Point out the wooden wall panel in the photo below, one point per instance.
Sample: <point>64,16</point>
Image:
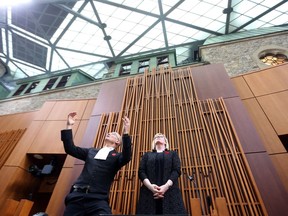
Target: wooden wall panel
<point>67,177</point>
<point>91,131</point>
<point>247,133</point>
<point>89,108</point>
<point>47,140</point>
<point>61,109</point>
<point>56,121</point>
<point>268,81</point>
<point>280,161</point>
<point>110,97</point>
<point>46,108</point>
<point>266,131</point>
<point>272,190</point>
<point>242,88</point>
<point>41,137</point>
<point>16,183</point>
<point>275,107</point>
<point>18,156</point>
<point>212,81</point>
<point>16,121</point>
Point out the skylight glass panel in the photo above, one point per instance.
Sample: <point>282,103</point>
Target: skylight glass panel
<point>64,43</point>
<point>148,20</point>
<point>149,6</point>
<point>173,27</point>
<point>135,17</point>
<point>113,24</point>
<point>61,28</point>
<point>222,18</point>
<point>256,11</point>
<point>128,27</point>
<point>75,59</point>
<point>104,9</point>
<point>201,35</point>
<point>215,13</point>
<point>182,53</point>
<point>89,32</point>
<point>102,49</point>
<point>234,16</point>
<point>77,5</point>
<point>119,46</point>
<point>240,20</point>
<point>255,24</point>
<point>190,18</point>
<point>155,32</point>
<point>283,8</point>
<point>133,49</point>
<point>279,20</point>
<point>203,21</point>
<point>175,39</point>
<point>77,25</point>
<point>3,42</point>
<point>215,25</point>
<point>119,35</point>
<point>176,16</point>
<point>243,7</point>
<point>139,28</point>
<point>15,72</point>
<point>30,71</point>
<point>271,16</point>
<point>129,3</point>
<point>187,6</point>
<point>202,8</point>
<point>58,63</point>
<point>219,3</point>
<point>267,3</point>
<point>121,13</point>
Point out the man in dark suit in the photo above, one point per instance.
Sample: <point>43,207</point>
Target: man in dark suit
<point>90,192</point>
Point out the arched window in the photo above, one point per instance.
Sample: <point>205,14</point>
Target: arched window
<point>273,58</point>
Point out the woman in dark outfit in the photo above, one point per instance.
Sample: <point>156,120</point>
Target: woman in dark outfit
<point>159,171</point>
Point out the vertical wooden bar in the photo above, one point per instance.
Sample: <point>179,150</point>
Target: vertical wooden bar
<point>24,207</point>
<point>221,206</point>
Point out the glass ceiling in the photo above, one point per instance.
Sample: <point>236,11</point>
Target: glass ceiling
<point>48,36</point>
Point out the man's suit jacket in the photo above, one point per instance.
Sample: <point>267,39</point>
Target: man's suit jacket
<point>97,174</point>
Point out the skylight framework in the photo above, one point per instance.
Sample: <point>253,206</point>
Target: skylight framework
<point>50,36</point>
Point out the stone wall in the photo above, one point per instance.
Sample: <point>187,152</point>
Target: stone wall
<point>240,57</point>
<point>35,101</point>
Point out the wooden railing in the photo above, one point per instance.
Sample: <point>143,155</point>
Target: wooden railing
<point>216,178</point>
<point>16,208</point>
<point>8,141</point>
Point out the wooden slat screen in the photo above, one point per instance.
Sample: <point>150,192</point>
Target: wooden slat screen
<point>213,163</point>
<point>8,141</point>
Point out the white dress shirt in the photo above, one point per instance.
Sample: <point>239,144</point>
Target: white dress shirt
<point>103,153</point>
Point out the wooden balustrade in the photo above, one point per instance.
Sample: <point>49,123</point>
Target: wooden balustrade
<point>220,181</point>
<point>16,208</point>
<point>8,141</point>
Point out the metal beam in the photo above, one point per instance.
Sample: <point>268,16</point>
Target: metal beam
<point>103,30</point>
<point>163,23</point>
<point>229,9</point>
